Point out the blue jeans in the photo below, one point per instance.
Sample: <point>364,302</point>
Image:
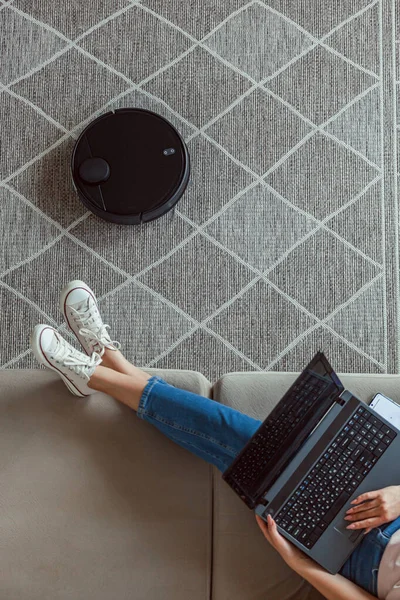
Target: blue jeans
<point>217,433</point>
<point>363,564</point>
<point>210,430</point>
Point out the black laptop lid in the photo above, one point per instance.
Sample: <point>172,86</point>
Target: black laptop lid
<point>318,372</point>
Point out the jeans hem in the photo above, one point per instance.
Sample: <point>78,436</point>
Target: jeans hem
<point>145,395</point>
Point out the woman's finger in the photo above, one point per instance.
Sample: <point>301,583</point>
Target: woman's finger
<point>283,546</point>
<point>263,526</point>
<point>364,506</point>
<point>365,514</point>
<point>366,523</point>
<point>274,537</point>
<point>366,496</point>
<point>272,528</point>
<point>368,530</point>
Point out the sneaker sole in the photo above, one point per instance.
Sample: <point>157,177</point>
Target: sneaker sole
<point>73,285</point>
<point>41,358</point>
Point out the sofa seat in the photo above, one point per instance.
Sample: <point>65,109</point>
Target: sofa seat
<point>94,502</point>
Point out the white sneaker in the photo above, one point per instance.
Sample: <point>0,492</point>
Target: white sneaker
<point>79,306</point>
<point>74,367</point>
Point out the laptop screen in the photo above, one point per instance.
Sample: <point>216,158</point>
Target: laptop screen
<point>284,431</point>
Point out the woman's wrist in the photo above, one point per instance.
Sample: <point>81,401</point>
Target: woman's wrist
<point>303,565</point>
<point>332,587</point>
<point>398,510</point>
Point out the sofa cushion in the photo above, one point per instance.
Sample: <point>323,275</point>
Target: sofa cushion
<point>94,502</point>
<point>245,566</point>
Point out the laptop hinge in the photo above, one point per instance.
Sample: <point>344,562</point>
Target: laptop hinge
<point>337,398</point>
<point>342,398</point>
<point>262,500</point>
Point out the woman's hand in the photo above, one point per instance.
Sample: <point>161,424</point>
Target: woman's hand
<point>374,508</point>
<point>332,587</point>
<point>289,552</point>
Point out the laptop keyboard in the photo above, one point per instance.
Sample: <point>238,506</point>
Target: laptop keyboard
<point>273,434</point>
<point>331,482</point>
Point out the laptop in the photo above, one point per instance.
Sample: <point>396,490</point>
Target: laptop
<point>319,448</point>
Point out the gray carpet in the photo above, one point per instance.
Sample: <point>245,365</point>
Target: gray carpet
<point>286,240</point>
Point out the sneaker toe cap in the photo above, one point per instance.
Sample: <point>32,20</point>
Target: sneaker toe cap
<point>76,296</point>
<point>48,339</point>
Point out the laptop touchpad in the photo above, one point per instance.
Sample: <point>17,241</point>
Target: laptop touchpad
<point>352,535</point>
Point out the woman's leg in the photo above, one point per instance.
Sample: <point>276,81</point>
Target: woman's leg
<point>114,359</point>
<point>207,428</point>
<point>127,388</point>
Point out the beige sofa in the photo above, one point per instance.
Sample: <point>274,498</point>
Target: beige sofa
<point>95,503</point>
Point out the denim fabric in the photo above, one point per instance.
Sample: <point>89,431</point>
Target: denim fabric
<point>363,565</point>
<point>217,433</point>
<point>207,428</point>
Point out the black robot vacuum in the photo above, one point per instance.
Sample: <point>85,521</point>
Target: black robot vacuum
<point>130,166</point>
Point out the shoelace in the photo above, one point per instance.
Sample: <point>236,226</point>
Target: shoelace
<point>101,339</point>
<point>99,336</point>
<point>78,363</point>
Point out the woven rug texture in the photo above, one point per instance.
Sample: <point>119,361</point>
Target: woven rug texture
<point>287,238</point>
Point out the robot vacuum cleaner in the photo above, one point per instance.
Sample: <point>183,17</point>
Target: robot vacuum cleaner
<point>130,166</point>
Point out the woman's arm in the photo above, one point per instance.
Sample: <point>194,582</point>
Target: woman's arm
<point>333,587</point>
<point>369,510</point>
